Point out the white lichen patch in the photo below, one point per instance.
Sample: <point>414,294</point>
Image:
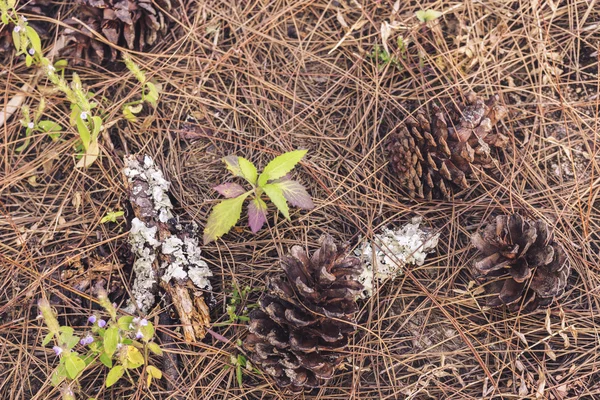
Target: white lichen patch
<point>393,249</point>
<point>186,262</point>
<point>178,254</point>
<point>158,186</point>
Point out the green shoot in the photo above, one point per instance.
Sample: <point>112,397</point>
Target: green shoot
<point>272,182</point>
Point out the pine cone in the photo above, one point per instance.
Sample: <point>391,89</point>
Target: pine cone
<point>134,24</point>
<point>521,262</point>
<point>306,319</point>
<point>432,156</point>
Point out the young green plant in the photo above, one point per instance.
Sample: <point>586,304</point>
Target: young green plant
<point>273,182</point>
<point>120,344</point>
<point>150,91</point>
<point>27,42</point>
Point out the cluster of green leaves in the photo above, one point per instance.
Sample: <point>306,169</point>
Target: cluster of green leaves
<point>35,123</point>
<point>121,344</point>
<point>384,58</point>
<point>237,300</point>
<point>150,92</point>
<point>273,182</point>
<point>27,42</point>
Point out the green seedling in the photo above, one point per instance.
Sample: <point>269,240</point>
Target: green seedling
<point>34,123</point>
<point>111,216</point>
<point>27,42</point>
<point>273,182</point>
<point>427,15</point>
<point>121,344</point>
<point>150,92</point>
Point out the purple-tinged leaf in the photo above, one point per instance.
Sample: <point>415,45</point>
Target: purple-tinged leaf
<point>295,193</point>
<point>230,190</point>
<point>257,214</point>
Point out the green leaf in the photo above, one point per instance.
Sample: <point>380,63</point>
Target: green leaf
<point>223,217</point>
<point>153,372</point>
<point>47,339</point>
<point>67,330</point>
<point>61,64</point>
<point>28,60</point>
<point>59,375</point>
<point>280,166</point>
<point>276,195</point>
<point>429,15</point>
<point>155,348</point>
<point>74,365</point>
<point>16,40</point>
<point>96,126</point>
<point>233,165</point>
<point>72,342</point>
<point>34,38</point>
<point>129,112</point>
<point>114,375</point>
<point>84,132</point>
<point>26,142</point>
<point>151,96</point>
<point>106,360</point>
<point>134,357</point>
<point>238,374</point>
<point>111,339</point>
<point>49,126</point>
<point>124,323</point>
<point>147,331</point>
<point>248,170</point>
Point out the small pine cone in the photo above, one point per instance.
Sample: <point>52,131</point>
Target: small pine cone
<point>520,262</point>
<point>134,24</point>
<point>307,317</point>
<point>433,155</point>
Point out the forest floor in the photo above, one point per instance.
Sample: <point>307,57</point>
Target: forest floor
<point>259,78</point>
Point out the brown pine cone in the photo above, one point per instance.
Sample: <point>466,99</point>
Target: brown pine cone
<point>521,264</point>
<point>307,317</point>
<point>433,155</point>
<point>134,24</point>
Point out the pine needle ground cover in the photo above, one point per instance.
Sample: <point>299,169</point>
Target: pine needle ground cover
<point>340,79</point>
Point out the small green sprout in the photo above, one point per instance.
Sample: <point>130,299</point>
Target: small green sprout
<point>272,182</point>
<point>111,216</point>
<point>427,15</point>
<point>150,92</point>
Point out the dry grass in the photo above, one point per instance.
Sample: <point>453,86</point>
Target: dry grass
<point>265,77</point>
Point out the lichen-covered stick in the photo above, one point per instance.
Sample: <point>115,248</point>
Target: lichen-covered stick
<point>168,256</point>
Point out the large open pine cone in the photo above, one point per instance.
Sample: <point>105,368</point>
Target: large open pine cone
<point>431,155</point>
<point>520,262</point>
<point>130,23</point>
<point>307,317</point>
